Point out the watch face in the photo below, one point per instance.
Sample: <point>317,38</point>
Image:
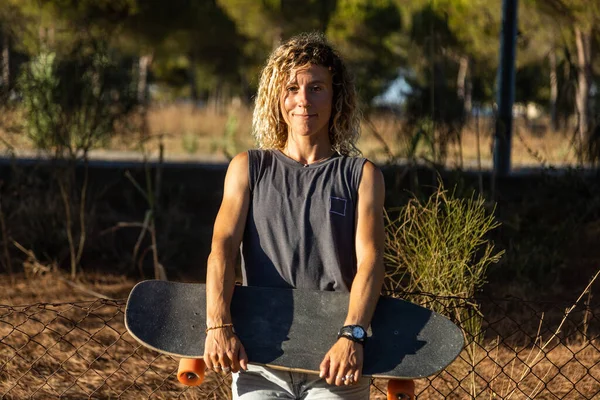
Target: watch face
<point>358,332</point>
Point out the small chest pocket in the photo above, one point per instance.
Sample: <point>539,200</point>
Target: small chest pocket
<point>337,205</point>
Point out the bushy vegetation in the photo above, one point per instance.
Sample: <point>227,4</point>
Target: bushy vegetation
<point>446,51</point>
<point>440,246</point>
<point>72,105</point>
<point>84,67</point>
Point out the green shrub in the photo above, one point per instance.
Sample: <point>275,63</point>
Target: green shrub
<point>69,107</point>
<point>227,144</point>
<point>439,247</point>
<point>38,85</point>
<point>74,104</point>
<point>189,143</point>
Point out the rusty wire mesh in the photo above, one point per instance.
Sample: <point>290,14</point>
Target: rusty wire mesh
<point>82,350</point>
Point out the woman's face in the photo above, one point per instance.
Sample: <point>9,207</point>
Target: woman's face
<point>306,101</point>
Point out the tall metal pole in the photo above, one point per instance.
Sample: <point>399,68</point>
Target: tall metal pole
<point>506,88</point>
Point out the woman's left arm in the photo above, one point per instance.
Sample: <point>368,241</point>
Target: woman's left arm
<point>346,356</point>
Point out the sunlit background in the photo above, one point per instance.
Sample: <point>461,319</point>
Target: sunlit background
<point>118,118</point>
<point>184,73</point>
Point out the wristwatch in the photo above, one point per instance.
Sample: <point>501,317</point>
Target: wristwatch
<point>356,333</point>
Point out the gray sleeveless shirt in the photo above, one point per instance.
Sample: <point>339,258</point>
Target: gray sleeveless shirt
<point>301,223</point>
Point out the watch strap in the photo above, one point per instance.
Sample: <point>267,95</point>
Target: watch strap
<point>348,333</point>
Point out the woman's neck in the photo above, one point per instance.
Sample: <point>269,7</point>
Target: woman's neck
<point>307,154</point>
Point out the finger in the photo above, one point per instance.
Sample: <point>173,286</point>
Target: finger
<point>216,362</point>
<point>212,361</point>
<point>351,377</point>
<point>324,367</point>
<point>342,376</point>
<point>234,362</point>
<point>348,378</point>
<point>243,357</point>
<point>334,372</point>
<point>225,364</point>
<point>207,361</point>
<point>340,380</point>
<point>207,356</point>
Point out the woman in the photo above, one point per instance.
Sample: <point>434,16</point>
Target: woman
<point>308,215</point>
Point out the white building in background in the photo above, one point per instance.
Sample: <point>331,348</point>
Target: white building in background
<point>528,110</point>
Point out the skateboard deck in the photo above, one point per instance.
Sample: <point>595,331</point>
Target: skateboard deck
<point>293,329</point>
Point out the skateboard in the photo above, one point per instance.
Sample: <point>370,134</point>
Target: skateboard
<point>292,330</point>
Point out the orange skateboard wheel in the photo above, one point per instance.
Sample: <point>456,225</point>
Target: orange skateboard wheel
<point>401,389</point>
<point>191,371</point>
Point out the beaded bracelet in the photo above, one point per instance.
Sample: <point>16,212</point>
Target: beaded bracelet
<point>218,327</point>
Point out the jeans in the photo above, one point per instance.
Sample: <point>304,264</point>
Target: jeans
<point>261,383</point>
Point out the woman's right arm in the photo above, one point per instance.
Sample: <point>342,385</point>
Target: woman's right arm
<point>223,350</point>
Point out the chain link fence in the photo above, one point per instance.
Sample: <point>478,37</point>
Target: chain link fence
<point>515,349</point>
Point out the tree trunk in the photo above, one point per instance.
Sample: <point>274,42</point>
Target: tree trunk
<point>215,99</point>
<point>142,84</point>
<point>567,93</point>
<point>553,90</point>
<point>193,80</point>
<point>6,63</point>
<point>51,32</point>
<point>327,8</point>
<point>463,86</point>
<point>47,35</point>
<point>584,77</point>
<point>277,36</point>
<point>469,96</point>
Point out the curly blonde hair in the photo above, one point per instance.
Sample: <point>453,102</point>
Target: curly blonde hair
<point>268,126</point>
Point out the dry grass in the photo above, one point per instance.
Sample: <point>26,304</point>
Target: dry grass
<point>78,347</point>
<point>502,372</point>
<point>47,286</point>
<point>530,147</point>
<point>190,133</point>
<point>532,144</point>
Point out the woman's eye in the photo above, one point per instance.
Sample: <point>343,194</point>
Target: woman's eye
<point>316,89</point>
<point>292,89</point>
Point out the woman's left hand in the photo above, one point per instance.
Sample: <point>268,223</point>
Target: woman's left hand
<point>342,365</point>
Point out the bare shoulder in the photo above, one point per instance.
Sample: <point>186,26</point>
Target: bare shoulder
<point>237,173</point>
<point>372,179</point>
<point>240,161</point>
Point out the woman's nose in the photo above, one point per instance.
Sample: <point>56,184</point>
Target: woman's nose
<point>302,98</point>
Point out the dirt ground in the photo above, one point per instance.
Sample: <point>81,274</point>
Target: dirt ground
<point>58,339</point>
<point>61,340</point>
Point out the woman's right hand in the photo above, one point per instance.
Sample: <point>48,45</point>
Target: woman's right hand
<point>223,351</point>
